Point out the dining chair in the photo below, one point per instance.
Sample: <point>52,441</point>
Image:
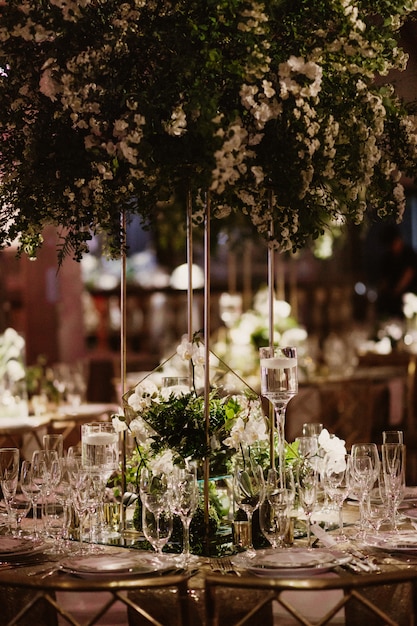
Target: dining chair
<point>22,595</point>
<point>354,588</point>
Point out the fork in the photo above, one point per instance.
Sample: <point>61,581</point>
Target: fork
<point>223,565</point>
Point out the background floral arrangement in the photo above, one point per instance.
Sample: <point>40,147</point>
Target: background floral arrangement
<point>110,105</point>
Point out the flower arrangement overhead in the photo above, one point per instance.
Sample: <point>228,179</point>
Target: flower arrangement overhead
<point>271,107</point>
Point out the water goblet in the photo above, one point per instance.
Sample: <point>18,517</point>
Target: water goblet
<point>337,484</point>
<point>184,502</point>
<point>157,527</point>
<point>279,383</point>
<point>393,464</point>
<point>307,484</point>
<point>248,492</point>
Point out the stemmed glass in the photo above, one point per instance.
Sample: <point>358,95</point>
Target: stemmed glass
<point>279,383</point>
<point>248,492</point>
<point>157,527</point>
<point>184,501</point>
<point>307,484</point>
<point>365,471</point>
<point>54,442</point>
<point>274,512</point>
<point>9,476</point>
<point>393,465</point>
<point>337,484</point>
<point>31,488</point>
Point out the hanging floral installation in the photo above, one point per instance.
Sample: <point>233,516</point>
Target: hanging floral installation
<point>111,106</point>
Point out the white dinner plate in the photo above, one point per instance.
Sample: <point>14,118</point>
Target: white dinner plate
<point>294,562</point>
<point>402,541</point>
<point>121,565</point>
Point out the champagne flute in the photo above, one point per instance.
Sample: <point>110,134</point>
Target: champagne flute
<point>279,383</point>
<point>337,484</point>
<point>9,476</point>
<point>184,494</point>
<point>248,492</point>
<point>393,464</point>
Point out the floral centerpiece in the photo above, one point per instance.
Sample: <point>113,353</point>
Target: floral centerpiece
<point>168,428</point>
<point>13,392</point>
<point>271,107</point>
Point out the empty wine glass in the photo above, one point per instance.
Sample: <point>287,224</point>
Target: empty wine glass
<point>311,429</point>
<point>154,489</point>
<point>248,492</point>
<point>307,484</point>
<point>337,484</point>
<point>157,527</point>
<point>184,501</point>
<point>365,471</point>
<point>54,441</point>
<point>393,464</point>
<point>20,506</point>
<point>274,512</point>
<point>32,490</point>
<point>279,383</point>
<point>9,475</point>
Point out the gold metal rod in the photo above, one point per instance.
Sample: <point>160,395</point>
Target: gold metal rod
<point>207,323</point>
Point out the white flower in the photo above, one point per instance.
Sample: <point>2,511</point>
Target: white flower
<point>246,432</point>
<point>119,425</point>
<point>163,463</point>
<point>140,430</point>
<point>330,443</point>
<point>145,393</point>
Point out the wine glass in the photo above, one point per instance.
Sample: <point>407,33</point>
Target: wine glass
<point>279,383</point>
<point>365,467</point>
<point>157,527</point>
<point>392,436</point>
<point>55,442</point>
<point>274,513</point>
<point>393,465</point>
<point>154,489</point>
<point>311,429</point>
<point>307,484</point>
<point>248,492</point>
<point>20,506</point>
<point>337,484</point>
<point>9,475</point>
<point>184,501</point>
<point>32,490</point>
